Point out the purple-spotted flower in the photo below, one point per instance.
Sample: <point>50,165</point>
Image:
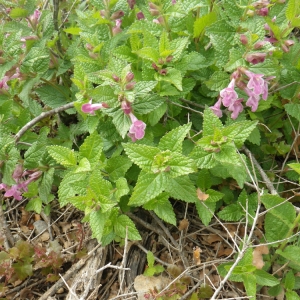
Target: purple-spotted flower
<point>137,128</point>
<point>90,108</point>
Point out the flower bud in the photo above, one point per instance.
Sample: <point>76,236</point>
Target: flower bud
<point>115,78</point>
<point>243,39</point>
<point>93,55</point>
<point>89,47</point>
<point>161,61</point>
<point>117,15</point>
<point>2,61</point>
<point>263,11</point>
<point>289,43</point>
<point>140,16</point>
<point>103,13</point>
<point>129,77</point>
<point>285,48</point>
<point>169,58</point>
<point>117,29</point>
<point>163,72</point>
<point>154,66</point>
<point>259,44</point>
<point>256,58</point>
<point>129,86</point>
<point>131,3</point>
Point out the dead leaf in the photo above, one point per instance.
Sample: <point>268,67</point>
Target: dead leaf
<point>183,225</point>
<point>196,255</point>
<point>212,238</point>
<point>201,196</point>
<point>258,260</point>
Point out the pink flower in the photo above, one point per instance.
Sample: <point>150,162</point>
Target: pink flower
<point>263,11</point>
<point>140,15</point>
<point>217,108</point>
<point>90,108</point>
<point>256,82</point>
<point>34,18</point>
<point>117,29</point>
<point>15,192</point>
<point>256,58</point>
<point>236,107</point>
<point>126,107</point>
<point>137,128</point>
<point>252,100</point>
<point>228,94</point>
<point>3,83</point>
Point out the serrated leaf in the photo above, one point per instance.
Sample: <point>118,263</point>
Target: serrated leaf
<point>122,122</point>
<point>122,188</point>
<point>201,23</point>
<point>23,269</point>
<point>98,184</point>
<point>173,140</point>
<point>73,30</point>
<point>147,104</point>
<point>232,212</point>
<point>179,45</point>
<point>35,205</point>
<point>210,123</point>
<point>148,53</point>
<point>162,207</point>
<point>173,76</point>
<point>295,166</point>
<point>291,253</point>
<point>150,259</point>
<point>147,187</point>
<point>217,81</point>
<point>91,147</point>
<point>117,166</point>
<point>292,9</point>
<point>53,96</point>
<point>124,223</point>
<point>37,61</point>
<point>141,155</point>
<point>293,109</point>
<point>34,154</point>
<point>179,165</point>
<point>18,12</point>
<point>249,281</point>
<point>182,188</point>
<point>279,219</point>
<point>63,155</point>
<point>142,88</point>
<point>164,44</point>
<point>97,221</point>
<point>71,185</point>
<point>239,131</point>
<point>204,159</point>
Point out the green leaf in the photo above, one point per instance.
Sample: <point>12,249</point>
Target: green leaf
<point>233,212</point>
<point>122,122</point>
<point>179,164</point>
<point>148,53</point>
<point>249,281</point>
<point>217,81</point>
<point>291,253</point>
<point>37,61</point>
<point>293,109</point>
<point>97,220</point>
<point>122,188</point>
<point>141,155</point>
<point>71,185</point>
<point>278,220</point>
<point>143,88</point>
<point>91,147</point>
<point>34,154</point>
<point>150,259</point>
<point>18,12</point>
<point>292,9</point>
<point>117,166</point>
<point>162,207</point>
<point>204,159</point>
<point>164,44</point>
<point>63,155</point>
<point>53,96</point>
<point>203,22</point>
<point>295,167</point>
<point>210,123</point>
<point>83,166</point>
<point>289,280</point>
<point>292,295</point>
<point>147,187</point>
<point>182,188</point>
<point>122,223</point>
<point>264,278</point>
<point>73,30</point>
<point>147,104</point>
<point>35,205</point>
<point>173,76</point>
<point>99,185</point>
<point>173,140</point>
<point>23,269</point>
<point>179,45</point>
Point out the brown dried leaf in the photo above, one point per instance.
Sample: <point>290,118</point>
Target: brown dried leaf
<point>212,238</point>
<point>25,216</point>
<point>258,260</point>
<point>201,196</point>
<point>183,224</point>
<point>196,255</point>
